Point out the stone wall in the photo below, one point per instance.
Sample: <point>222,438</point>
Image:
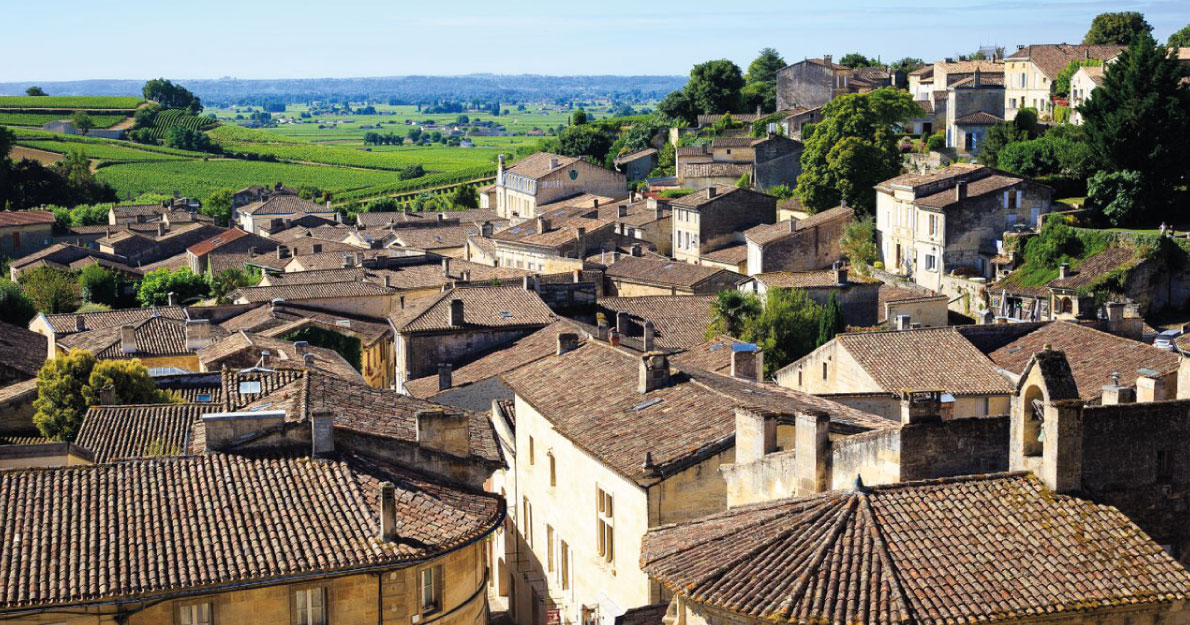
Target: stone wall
<point>804,84</point>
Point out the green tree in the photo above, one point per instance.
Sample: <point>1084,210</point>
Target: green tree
<point>1061,84</point>
<point>99,285</point>
<point>186,286</point>
<point>907,64</point>
<point>578,118</point>
<point>1116,28</point>
<point>172,96</point>
<point>218,206</point>
<point>465,196</point>
<point>677,107</point>
<point>831,321</point>
<point>760,83</point>
<point>855,60</point>
<point>1119,195</point>
<point>730,313</point>
<point>781,191</point>
<point>68,385</point>
<point>998,137</point>
<point>129,381</point>
<point>35,91</point>
<point>714,87</point>
<point>82,122</point>
<point>786,328</point>
<point>586,140</point>
<point>52,290</point>
<point>1180,39</point>
<point>228,280</point>
<point>859,243</point>
<point>1139,120</point>
<point>188,139</point>
<point>16,308</point>
<point>745,181</point>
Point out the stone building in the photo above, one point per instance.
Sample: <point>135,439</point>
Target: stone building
<point>1082,84</point>
<point>259,216</point>
<point>164,242</point>
<point>642,219</point>
<point>928,225</point>
<point>673,322</point>
<point>858,296</point>
<point>610,443</point>
<point>1031,70</point>
<point>1069,295</point>
<point>798,244</point>
<point>542,178</point>
<point>637,165</point>
<point>156,341</point>
<point>25,232</point>
<point>436,332</point>
<point>556,241</point>
<point>22,352</point>
<point>869,371</point>
<point>814,82</point>
<point>764,162</point>
<point>709,220</point>
<point>973,105</point>
<point>633,276</point>
<point>70,257</point>
<point>234,243</point>
<point>995,548</point>
<point>245,350</point>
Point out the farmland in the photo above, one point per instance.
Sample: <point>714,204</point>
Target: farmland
<point>84,102</point>
<point>105,153</point>
<point>37,119</point>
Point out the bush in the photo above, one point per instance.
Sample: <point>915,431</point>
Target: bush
<point>186,286</point>
<point>936,142</point>
<point>99,285</point>
<point>1119,195</point>
<point>16,308</point>
<point>1056,242</point>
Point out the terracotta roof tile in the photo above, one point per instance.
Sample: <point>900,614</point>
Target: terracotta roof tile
<point>808,279</point>
<point>155,337</point>
<point>538,165</point>
<point>140,431</point>
<point>979,118</point>
<point>663,272</point>
<point>927,359</point>
<point>243,349</point>
<point>320,290</point>
<point>1052,58</point>
<point>483,307</point>
<point>25,218</point>
<point>284,205</point>
<point>22,350</point>
<point>679,321</point>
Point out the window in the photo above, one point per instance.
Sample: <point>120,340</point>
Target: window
<point>553,469</point>
<point>931,262</point>
<point>430,589</point>
<point>250,387</point>
<point>799,378</point>
<point>605,542</point>
<point>310,606</point>
<point>528,528</point>
<point>1164,466</point>
<point>549,544</point>
<point>195,614</point>
<point>1012,103</point>
<point>824,371</point>
<point>933,221</point>
<point>564,562</point>
<point>531,450</point>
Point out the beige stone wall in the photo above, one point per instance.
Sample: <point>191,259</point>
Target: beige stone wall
<point>693,493</point>
<point>843,373</point>
<point>351,600</point>
<point>1033,92</point>
<point>930,313</point>
<point>621,288</point>
<point>539,262</point>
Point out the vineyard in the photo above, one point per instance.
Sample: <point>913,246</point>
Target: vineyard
<point>37,119</point>
<point>86,102</point>
<point>199,178</point>
<point>105,153</point>
<point>26,136</point>
<point>177,118</point>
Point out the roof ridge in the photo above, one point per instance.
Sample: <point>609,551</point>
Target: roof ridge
<point>900,601</point>
<point>814,563</point>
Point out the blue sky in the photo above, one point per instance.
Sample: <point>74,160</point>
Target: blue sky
<point>347,38</point>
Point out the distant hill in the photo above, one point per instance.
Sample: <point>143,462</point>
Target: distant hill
<point>525,87</point>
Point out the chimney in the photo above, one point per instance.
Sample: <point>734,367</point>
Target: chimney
<point>301,347</point>
<point>960,190</point>
<point>1062,453</point>
<point>622,210</point>
<point>500,170</point>
<point>485,229</point>
<point>554,162</point>
<point>902,322</point>
<point>446,267</point>
<point>1114,311</point>
<point>613,337</point>
<point>840,273</point>
<point>107,395</point>
<point>543,225</point>
<point>198,334</point>
<point>266,358</point>
<point>826,60</point>
<point>747,362</point>
<point>80,323</point>
<point>1063,271</point>
<point>755,434</point>
<point>160,229</point>
<point>622,322</point>
<point>976,79</point>
<point>456,313</point>
<point>567,341</point>
<point>444,376</point>
<point>308,359</point>
<point>388,512</point>
<point>920,406</point>
<point>580,232</point>
<point>595,202</point>
<point>1114,393</point>
<point>128,339</point>
<point>322,433</point>
<point>601,330</point>
<point>527,282</point>
<point>712,192</point>
<point>637,250</point>
<point>648,337</point>
<point>442,431</point>
<point>653,373</point>
<point>171,299</point>
<point>812,452</point>
<point>1149,387</point>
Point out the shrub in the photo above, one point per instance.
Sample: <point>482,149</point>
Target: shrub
<point>936,142</point>
<point>16,308</point>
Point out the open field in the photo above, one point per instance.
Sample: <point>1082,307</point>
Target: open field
<point>37,119</point>
<point>86,102</point>
<point>105,153</point>
<point>20,152</point>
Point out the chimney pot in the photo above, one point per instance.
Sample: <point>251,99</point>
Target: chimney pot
<point>128,339</point>
<point>388,512</point>
<point>322,433</point>
<point>567,341</point>
<point>637,250</point>
<point>456,313</point>
<point>444,376</point>
<point>653,372</point>
<point>171,298</point>
<point>160,229</point>
<point>622,210</point>
<point>543,225</point>
<point>613,337</point>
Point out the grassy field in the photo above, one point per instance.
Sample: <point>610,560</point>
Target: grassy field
<point>37,119</point>
<point>87,102</point>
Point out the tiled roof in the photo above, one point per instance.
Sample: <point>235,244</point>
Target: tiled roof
<point>217,241</point>
<point>647,615</point>
<point>638,213</point>
<point>94,533</point>
<point>927,359</point>
<point>731,254</point>
<point>134,210</point>
<point>715,170</point>
<point>976,188</point>
<point>915,180</point>
<point>537,165</point>
<point>270,380</point>
<point>1094,72</point>
<point>27,389</point>
<point>435,238</point>
<point>22,350</point>
<point>25,218</point>
<point>691,150</point>
<point>483,307</point>
<point>320,276</point>
<point>890,293</point>
<point>140,431</point>
<point>1092,269</point>
<point>326,260</point>
<point>959,550</point>
<point>590,396</point>
<point>27,438</point>
<point>284,205</point>
<point>731,142</point>
<point>808,279</point>
<point>662,272</point>
<point>979,118</point>
<point>1052,58</point>
<point>67,255</point>
<point>560,233</point>
<point>537,345</point>
<point>968,67</point>
<point>632,156</point>
<point>248,348</point>
<point>321,290</point>
<point>284,317</point>
<point>712,355</point>
<point>155,337</point>
<point>678,320</point>
<point>695,200</point>
<point>1092,355</point>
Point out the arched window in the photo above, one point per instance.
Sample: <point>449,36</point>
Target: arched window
<point>1032,411</point>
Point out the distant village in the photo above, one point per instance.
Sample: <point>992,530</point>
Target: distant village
<point>711,379</point>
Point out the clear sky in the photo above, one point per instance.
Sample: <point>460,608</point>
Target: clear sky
<point>80,39</point>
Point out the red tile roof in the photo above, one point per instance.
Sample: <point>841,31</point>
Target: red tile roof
<point>483,307</point>
<point>140,431</point>
<point>25,218</point>
<point>927,359</point>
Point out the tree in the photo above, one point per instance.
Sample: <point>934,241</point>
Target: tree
<point>1139,120</point>
<point>731,312</point>
<point>68,385</point>
<point>907,64</point>
<point>859,243</point>
<point>760,88</point>
<point>52,290</point>
<point>578,118</point>
<point>1116,28</point>
<point>231,279</point>
<point>998,137</point>
<point>186,286</point>
<point>465,196</point>
<point>714,87</point>
<point>831,321</point>
<point>745,181</point>
<point>585,140</point>
<point>99,285</point>
<point>786,328</point>
<point>16,308</point>
<point>1180,39</point>
<point>1061,84</point>
<point>677,107</point>
<point>855,60</point>
<point>35,91</point>
<point>1119,195</point>
<point>188,139</point>
<point>218,206</point>
<point>172,96</point>
<point>82,122</point>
